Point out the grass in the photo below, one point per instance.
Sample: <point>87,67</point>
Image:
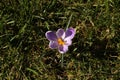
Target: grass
<point>24,51</point>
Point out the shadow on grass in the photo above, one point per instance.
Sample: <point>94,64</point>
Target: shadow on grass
<point>100,49</point>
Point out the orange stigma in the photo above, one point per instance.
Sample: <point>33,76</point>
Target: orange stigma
<point>60,41</point>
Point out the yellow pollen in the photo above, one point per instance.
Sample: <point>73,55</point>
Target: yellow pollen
<point>60,41</point>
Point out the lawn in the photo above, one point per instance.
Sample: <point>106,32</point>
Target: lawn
<point>93,55</point>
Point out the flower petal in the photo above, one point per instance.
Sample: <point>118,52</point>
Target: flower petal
<point>70,33</point>
<point>51,36</point>
<point>53,44</point>
<point>60,33</point>
<point>68,41</point>
<point>63,49</point>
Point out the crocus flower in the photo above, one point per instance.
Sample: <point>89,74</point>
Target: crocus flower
<point>61,39</point>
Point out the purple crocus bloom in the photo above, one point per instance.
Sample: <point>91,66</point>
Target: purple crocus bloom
<point>60,39</point>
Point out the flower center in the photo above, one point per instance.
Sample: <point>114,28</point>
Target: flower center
<point>60,41</point>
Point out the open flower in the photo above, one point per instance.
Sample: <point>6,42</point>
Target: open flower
<point>60,39</point>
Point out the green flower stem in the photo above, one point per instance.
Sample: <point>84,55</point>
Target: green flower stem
<point>62,60</point>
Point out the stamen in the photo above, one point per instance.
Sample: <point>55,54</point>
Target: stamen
<point>60,41</point>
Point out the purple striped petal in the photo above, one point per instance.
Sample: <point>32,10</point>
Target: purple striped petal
<point>68,41</point>
<point>70,33</point>
<point>60,33</point>
<point>53,44</point>
<point>51,36</point>
<point>63,49</point>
